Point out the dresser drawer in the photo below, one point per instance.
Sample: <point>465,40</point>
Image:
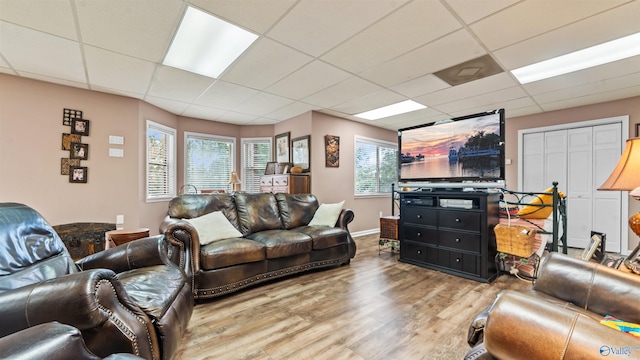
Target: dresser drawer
<point>460,220</point>
<point>420,234</point>
<point>418,252</point>
<point>419,215</point>
<point>281,181</point>
<point>460,262</point>
<point>266,181</point>
<point>461,241</point>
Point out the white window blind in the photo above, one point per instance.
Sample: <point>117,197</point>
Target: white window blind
<point>375,166</point>
<point>209,161</point>
<point>161,162</point>
<point>256,153</point>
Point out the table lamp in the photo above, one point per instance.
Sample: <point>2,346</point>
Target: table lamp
<point>626,177</point>
<point>234,180</point>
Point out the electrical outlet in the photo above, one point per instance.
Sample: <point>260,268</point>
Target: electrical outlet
<point>119,219</point>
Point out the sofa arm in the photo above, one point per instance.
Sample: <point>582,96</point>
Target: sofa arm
<point>132,255</point>
<point>92,301</point>
<point>346,216</point>
<point>184,239</point>
<point>520,324</point>
<point>591,286</point>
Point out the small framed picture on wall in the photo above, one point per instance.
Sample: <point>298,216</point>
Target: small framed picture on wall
<point>80,127</point>
<point>78,174</point>
<point>79,151</point>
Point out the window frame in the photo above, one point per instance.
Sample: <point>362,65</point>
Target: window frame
<point>378,143</point>
<point>171,162</point>
<point>243,165</point>
<point>190,134</point>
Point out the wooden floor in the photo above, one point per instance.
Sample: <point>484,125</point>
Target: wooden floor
<point>374,308</point>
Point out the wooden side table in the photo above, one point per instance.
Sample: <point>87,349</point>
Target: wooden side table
<point>118,237</point>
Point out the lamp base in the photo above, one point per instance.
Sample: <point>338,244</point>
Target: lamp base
<point>634,223</point>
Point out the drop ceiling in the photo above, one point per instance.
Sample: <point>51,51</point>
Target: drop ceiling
<point>339,57</point>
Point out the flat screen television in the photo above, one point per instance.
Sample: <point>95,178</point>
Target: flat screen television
<point>463,149</point>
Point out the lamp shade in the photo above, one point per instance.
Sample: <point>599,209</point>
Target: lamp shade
<point>626,175</point>
<point>234,179</point>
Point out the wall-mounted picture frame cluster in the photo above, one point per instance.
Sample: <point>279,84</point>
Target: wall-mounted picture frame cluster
<point>72,142</point>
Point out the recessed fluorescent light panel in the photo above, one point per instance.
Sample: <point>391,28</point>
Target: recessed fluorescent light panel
<point>391,110</point>
<point>611,51</point>
<point>206,45</point>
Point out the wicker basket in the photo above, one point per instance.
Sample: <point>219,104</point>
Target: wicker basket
<point>389,227</point>
<point>515,240</point>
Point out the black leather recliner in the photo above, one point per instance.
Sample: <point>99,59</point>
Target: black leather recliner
<point>128,299</point>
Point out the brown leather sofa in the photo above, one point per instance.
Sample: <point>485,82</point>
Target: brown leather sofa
<point>559,317</point>
<point>275,240</point>
<point>129,299</point>
<point>51,341</point>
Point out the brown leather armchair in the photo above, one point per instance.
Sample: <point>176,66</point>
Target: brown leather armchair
<point>559,317</point>
<point>128,299</point>
<point>51,341</point>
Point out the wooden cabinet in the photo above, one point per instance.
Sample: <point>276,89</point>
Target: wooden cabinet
<point>289,183</point>
<point>450,231</point>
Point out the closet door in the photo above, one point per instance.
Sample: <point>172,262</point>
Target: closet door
<point>580,187</point>
<point>533,162</point>
<point>607,205</point>
<point>545,160</point>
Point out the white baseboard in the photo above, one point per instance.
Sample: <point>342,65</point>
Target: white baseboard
<point>365,232</point>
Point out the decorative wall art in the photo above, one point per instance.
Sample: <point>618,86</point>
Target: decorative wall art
<point>78,174</point>
<point>70,114</point>
<point>283,149</point>
<point>80,127</point>
<point>66,163</point>
<point>72,142</point>
<point>79,151</point>
<point>67,139</point>
<point>300,150</point>
<point>637,130</point>
<point>332,150</point>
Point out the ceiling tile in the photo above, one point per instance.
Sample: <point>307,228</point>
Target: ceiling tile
<point>575,36</point>
<point>484,100</point>
<point>592,99</point>
<point>540,19</point>
<point>398,33</point>
<point>255,15</point>
<point>420,86</point>
<point>172,106</point>
<point>115,71</point>
<point>303,29</point>
<point>473,10</point>
<point>235,118</point>
<point>224,95</point>
<point>612,84</point>
<point>308,80</point>
<point>262,103</point>
<point>455,93</point>
<point>141,28</point>
<point>54,17</point>
<point>39,53</point>
<point>202,112</point>
<point>264,63</point>
<point>54,80</point>
<point>449,50</point>
<point>353,87</point>
<point>369,102</point>
<point>291,110</point>
<point>172,83</point>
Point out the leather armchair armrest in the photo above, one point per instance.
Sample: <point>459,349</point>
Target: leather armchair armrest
<point>522,324</point>
<point>132,255</point>
<point>92,301</point>
<point>346,216</point>
<point>183,236</point>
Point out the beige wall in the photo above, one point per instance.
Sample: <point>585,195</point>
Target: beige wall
<point>630,106</point>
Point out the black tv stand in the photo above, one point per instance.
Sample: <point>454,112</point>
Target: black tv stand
<point>450,231</point>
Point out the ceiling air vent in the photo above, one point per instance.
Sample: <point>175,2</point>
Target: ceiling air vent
<point>469,71</point>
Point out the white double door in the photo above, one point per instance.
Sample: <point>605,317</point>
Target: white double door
<point>580,159</point>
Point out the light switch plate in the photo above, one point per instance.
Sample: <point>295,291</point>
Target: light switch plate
<point>116,140</point>
<point>116,152</point>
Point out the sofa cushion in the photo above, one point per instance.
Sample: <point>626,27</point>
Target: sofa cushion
<point>213,226</point>
<point>324,237</point>
<point>296,209</point>
<point>192,206</point>
<point>228,252</point>
<point>327,214</point>
<point>283,243</point>
<point>257,212</point>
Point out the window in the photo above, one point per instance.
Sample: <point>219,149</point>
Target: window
<point>256,153</point>
<point>209,161</point>
<point>161,162</point>
<point>375,166</point>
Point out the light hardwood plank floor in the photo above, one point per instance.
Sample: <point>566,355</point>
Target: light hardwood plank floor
<point>374,308</point>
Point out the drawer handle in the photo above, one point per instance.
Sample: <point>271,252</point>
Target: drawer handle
<point>457,259</point>
<point>419,234</point>
<point>457,239</point>
<point>419,216</point>
<point>457,220</point>
<point>419,251</point>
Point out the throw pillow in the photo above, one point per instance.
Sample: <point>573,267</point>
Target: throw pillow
<point>327,214</point>
<point>621,325</point>
<point>534,211</point>
<point>213,226</point>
